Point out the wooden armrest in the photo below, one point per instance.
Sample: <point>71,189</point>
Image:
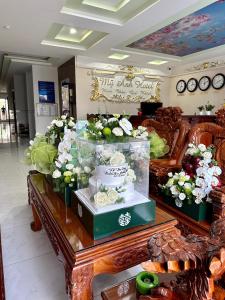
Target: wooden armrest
<point>163,162</point>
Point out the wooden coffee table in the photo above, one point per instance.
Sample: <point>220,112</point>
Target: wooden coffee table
<point>84,258</point>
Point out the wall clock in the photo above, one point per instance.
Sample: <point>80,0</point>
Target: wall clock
<point>192,85</point>
<point>204,83</point>
<point>218,81</point>
<point>181,86</point>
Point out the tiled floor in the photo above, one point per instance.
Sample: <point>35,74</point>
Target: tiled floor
<point>32,271</point>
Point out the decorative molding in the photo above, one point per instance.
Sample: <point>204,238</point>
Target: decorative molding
<point>206,65</point>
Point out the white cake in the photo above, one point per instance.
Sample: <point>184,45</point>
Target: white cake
<point>111,177</point>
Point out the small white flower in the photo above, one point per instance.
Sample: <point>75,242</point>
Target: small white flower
<point>126,126</point>
<point>69,166</point>
<point>117,131</point>
<point>87,169</point>
<point>116,116</point>
<point>67,173</point>
<point>59,123</point>
<point>31,142</point>
<point>58,164</point>
<point>56,174</point>
<point>71,123</point>
<point>178,202</point>
<point>181,183</point>
<point>202,147</point>
<point>99,125</point>
<point>170,174</point>
<point>182,196</point>
<point>207,155</point>
<point>112,120</point>
<point>63,117</point>
<point>174,190</point>
<point>77,170</point>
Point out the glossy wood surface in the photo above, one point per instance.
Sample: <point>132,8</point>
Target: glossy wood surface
<point>83,257</point>
<point>127,290</point>
<point>2,287</point>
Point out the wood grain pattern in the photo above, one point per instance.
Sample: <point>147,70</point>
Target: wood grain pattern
<point>2,286</point>
<point>83,257</point>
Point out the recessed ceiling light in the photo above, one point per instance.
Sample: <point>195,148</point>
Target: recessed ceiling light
<point>73,31</point>
<point>157,62</point>
<point>7,27</point>
<point>118,56</point>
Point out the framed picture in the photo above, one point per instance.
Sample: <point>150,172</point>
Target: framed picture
<point>46,90</point>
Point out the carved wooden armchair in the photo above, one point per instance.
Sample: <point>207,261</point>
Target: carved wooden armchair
<point>210,133</point>
<point>201,260</point>
<point>168,125</point>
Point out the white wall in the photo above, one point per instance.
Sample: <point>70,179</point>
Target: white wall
<point>43,73</point>
<point>30,103</point>
<point>86,106</point>
<point>20,98</point>
<point>190,101</point>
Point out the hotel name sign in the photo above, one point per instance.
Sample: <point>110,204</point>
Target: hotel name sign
<point>125,88</point>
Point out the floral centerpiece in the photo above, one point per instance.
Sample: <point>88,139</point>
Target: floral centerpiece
<point>200,174</point>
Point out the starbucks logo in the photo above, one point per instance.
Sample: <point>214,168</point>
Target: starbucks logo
<point>124,219</point>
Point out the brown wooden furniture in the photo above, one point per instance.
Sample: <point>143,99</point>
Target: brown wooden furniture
<point>127,290</point>
<point>84,258</point>
<point>210,133</point>
<point>168,125</point>
<point>2,286</point>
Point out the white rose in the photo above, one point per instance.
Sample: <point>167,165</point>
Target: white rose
<point>181,183</point>
<point>53,122</point>
<point>56,174</point>
<point>182,196</point>
<point>117,159</point>
<point>207,155</point>
<point>170,174</point>
<point>71,123</point>
<point>101,199</point>
<point>63,117</point>
<point>116,116</point>
<point>126,126</point>
<point>112,195</point>
<point>87,170</point>
<point>69,166</point>
<point>202,147</point>
<point>59,123</point>
<point>117,131</point>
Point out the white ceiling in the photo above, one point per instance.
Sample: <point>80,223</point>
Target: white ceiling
<point>30,22</point>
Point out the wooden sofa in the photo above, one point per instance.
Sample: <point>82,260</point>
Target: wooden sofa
<point>169,125</point>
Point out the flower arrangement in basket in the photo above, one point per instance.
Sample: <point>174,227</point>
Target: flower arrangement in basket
<point>200,175</point>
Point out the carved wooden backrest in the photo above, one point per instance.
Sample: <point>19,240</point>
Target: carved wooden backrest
<point>169,114</point>
<point>210,133</point>
<point>220,117</point>
<point>175,134</point>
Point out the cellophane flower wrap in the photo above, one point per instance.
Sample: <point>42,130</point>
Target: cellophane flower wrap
<point>199,176</point>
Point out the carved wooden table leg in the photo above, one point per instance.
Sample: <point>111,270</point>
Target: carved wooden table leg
<point>81,282</point>
<point>36,224</point>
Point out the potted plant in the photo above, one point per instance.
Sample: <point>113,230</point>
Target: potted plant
<point>188,190</point>
<point>208,108</point>
<point>201,110</point>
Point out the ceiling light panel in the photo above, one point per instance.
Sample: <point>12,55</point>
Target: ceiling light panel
<point>65,36</point>
<point>110,5</point>
<point>158,62</point>
<point>110,11</point>
<point>118,56</point>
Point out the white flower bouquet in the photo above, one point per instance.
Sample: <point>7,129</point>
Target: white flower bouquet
<point>55,131</point>
<point>200,174</point>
